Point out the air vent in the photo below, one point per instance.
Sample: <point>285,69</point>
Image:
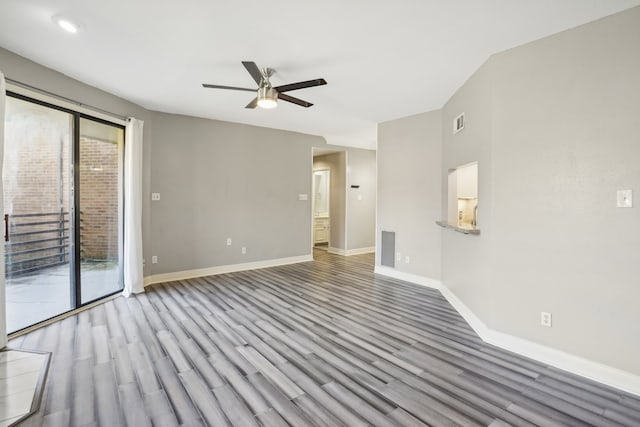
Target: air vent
<point>388,246</point>
<point>458,123</point>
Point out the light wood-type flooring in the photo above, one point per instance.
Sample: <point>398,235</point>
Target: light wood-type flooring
<point>324,343</point>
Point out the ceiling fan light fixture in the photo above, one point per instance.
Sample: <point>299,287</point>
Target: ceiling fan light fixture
<point>267,97</point>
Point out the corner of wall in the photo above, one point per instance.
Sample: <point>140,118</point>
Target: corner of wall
<point>613,377</point>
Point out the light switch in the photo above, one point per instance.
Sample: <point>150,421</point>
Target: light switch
<point>155,196</point>
<point>303,197</point>
<point>625,198</point>
<point>360,197</point>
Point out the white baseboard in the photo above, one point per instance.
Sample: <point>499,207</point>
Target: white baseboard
<point>222,269</point>
<point>360,251</point>
<point>349,252</point>
<point>596,371</point>
<point>407,277</point>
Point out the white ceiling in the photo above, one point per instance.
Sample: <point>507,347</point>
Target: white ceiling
<point>382,59</point>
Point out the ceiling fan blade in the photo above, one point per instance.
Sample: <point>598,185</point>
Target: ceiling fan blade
<point>293,100</point>
<point>252,104</point>
<point>253,69</point>
<point>227,87</point>
<point>300,85</point>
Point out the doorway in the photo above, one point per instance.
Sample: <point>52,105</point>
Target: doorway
<point>62,178</point>
<point>329,196</point>
<point>321,215</point>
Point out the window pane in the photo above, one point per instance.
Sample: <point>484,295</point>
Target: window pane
<point>100,209</point>
<point>37,194</point>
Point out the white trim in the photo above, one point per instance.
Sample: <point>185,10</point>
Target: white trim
<point>336,251</point>
<point>222,269</point>
<point>360,251</point>
<point>349,252</point>
<point>407,277</point>
<point>590,369</point>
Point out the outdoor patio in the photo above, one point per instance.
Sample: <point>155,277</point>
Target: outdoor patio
<point>34,297</point>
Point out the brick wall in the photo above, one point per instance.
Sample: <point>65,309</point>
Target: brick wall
<point>37,179</point>
<point>99,187</point>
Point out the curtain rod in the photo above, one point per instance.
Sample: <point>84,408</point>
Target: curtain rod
<point>62,98</point>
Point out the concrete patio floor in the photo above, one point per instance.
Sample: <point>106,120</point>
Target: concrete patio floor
<point>32,298</point>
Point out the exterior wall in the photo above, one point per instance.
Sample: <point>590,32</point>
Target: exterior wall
<point>36,189</point>
<point>99,193</point>
<point>38,178</point>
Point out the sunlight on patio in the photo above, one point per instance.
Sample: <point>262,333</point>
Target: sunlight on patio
<point>35,297</point>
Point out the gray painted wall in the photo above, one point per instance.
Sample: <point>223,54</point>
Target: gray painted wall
<point>336,163</point>
<point>409,188</point>
<point>565,139</point>
<point>466,259</point>
<point>552,125</point>
<point>219,180</point>
<point>361,211</point>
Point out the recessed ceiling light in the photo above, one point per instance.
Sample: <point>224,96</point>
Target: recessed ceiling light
<point>66,24</point>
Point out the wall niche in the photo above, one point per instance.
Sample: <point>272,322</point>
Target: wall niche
<point>462,211</point>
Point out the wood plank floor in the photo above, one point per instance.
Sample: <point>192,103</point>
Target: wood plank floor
<point>324,343</point>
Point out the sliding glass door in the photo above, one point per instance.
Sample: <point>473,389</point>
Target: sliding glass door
<point>62,178</point>
<point>100,182</point>
<point>37,210</point>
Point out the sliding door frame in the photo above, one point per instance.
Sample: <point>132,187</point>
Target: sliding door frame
<point>75,280</point>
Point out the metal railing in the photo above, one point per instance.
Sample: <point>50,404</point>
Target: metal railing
<point>35,241</point>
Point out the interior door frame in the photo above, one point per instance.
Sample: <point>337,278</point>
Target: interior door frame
<point>75,277</point>
<point>313,205</point>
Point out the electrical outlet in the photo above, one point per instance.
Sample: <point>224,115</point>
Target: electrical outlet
<point>407,260</point>
<point>154,259</point>
<point>624,198</point>
<point>155,196</point>
<point>545,319</point>
<point>398,256</point>
<point>228,241</point>
<point>244,250</point>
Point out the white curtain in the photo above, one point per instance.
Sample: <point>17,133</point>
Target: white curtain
<point>3,305</point>
<point>133,275</point>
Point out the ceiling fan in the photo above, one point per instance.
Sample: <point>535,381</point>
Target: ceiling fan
<point>267,95</point>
